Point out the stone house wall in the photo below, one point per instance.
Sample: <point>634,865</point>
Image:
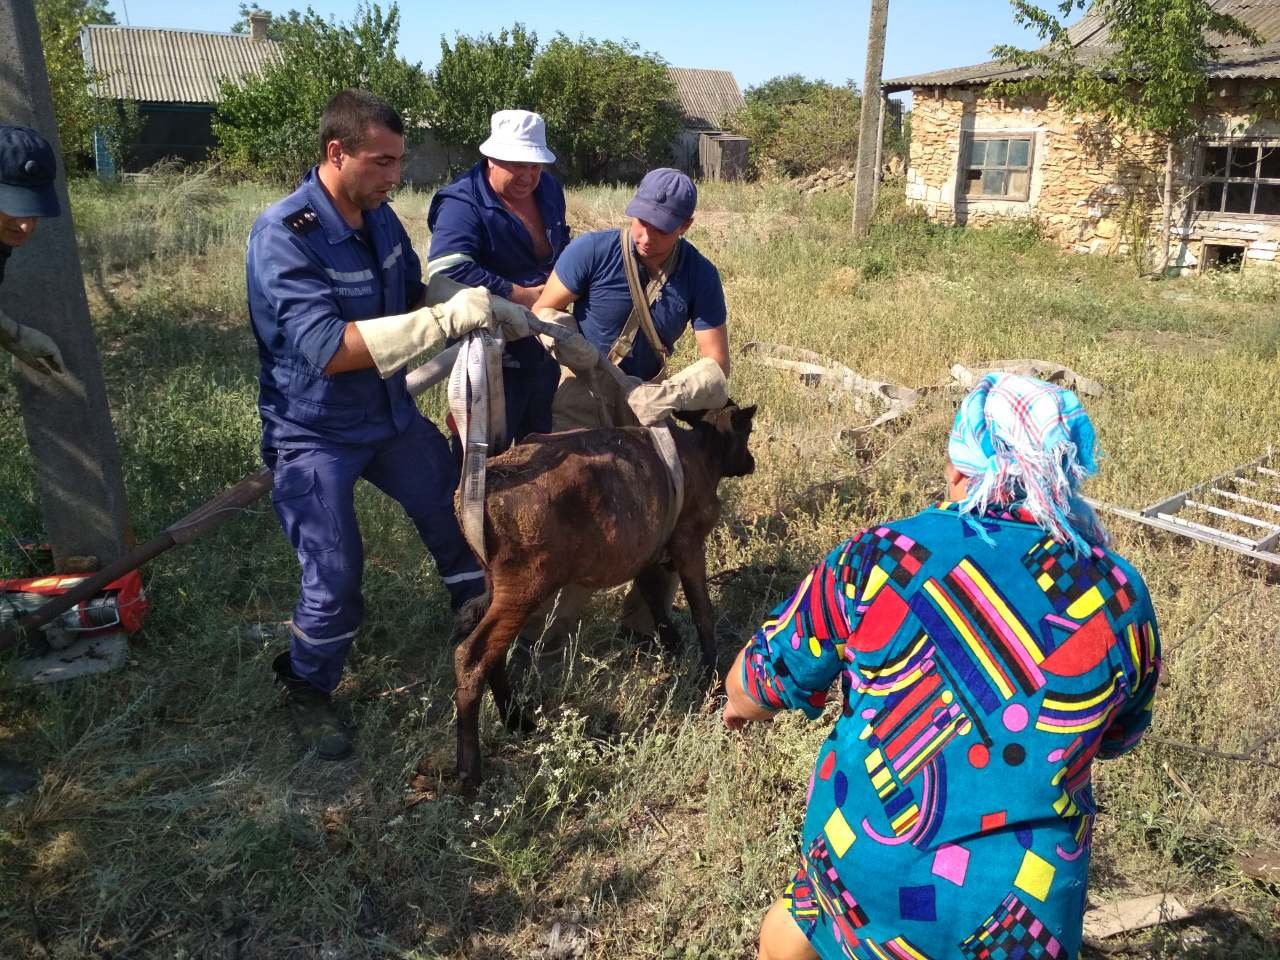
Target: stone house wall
<point>1091,187</point>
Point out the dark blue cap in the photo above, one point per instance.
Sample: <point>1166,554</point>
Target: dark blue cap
<point>665,198</point>
<point>27,173</point>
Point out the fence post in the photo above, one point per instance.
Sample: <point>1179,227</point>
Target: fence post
<point>868,141</point>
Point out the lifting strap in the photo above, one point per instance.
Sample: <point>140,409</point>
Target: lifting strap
<point>476,402</point>
<point>665,444</point>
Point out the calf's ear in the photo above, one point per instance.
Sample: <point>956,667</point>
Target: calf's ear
<point>744,414</point>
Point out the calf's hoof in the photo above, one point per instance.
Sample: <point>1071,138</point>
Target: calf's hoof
<point>710,678</point>
<point>520,720</point>
<point>469,782</point>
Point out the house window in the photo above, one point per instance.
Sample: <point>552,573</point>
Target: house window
<point>1240,178</point>
<point>998,168</point>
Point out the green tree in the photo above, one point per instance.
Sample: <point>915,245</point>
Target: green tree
<point>477,76</point>
<point>797,126</point>
<point>277,27</point>
<point>784,89</point>
<point>75,106</point>
<point>1151,76</point>
<point>269,124</point>
<point>606,104</point>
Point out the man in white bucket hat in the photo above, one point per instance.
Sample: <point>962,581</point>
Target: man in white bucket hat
<point>501,225</point>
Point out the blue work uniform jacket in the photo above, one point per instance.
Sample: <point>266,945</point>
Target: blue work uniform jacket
<point>309,273</point>
<point>477,241</point>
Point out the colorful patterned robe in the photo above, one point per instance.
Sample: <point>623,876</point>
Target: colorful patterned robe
<point>950,809</point>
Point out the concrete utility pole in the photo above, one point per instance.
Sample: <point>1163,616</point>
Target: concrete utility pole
<point>869,129</point>
<point>67,419</point>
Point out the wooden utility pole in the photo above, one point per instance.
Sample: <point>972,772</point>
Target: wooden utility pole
<point>67,420</point>
<point>869,128</point>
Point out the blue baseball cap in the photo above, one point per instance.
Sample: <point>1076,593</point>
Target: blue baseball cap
<point>27,173</point>
<point>665,198</point>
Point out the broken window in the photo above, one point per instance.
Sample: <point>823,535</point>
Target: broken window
<point>998,167</point>
<point>1222,256</point>
<point>1240,177</point>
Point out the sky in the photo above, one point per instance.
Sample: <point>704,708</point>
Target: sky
<point>755,39</point>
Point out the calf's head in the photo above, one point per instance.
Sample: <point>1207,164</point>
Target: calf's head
<point>725,434</point>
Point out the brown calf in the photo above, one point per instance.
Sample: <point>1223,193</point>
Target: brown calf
<point>589,507</point>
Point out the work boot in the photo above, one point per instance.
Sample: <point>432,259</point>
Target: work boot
<point>312,713</point>
<point>15,777</point>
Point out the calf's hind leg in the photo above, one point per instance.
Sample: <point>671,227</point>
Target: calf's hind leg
<point>474,662</point>
<point>653,585</point>
<point>513,714</point>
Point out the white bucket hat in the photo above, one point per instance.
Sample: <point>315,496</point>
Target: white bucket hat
<point>517,136</point>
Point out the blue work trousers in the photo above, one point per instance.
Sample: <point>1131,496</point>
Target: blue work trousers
<point>314,497</point>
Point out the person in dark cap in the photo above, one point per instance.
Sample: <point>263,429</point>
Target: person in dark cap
<point>27,172</point>
<point>680,287</point>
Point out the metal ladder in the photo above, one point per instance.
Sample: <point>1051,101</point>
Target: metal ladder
<point>1238,510</point>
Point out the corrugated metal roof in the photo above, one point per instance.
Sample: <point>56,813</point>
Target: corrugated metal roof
<point>706,96</point>
<point>171,66</point>
<point>1089,36</point>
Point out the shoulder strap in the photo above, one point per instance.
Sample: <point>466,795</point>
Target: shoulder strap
<point>640,317</point>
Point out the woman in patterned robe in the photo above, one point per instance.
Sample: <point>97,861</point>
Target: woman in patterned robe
<point>987,649</point>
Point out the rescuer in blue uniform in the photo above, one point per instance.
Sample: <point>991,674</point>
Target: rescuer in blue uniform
<point>501,226</point>
<point>336,302</point>
<point>27,173</point>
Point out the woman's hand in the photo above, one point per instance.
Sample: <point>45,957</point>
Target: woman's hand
<point>740,708</point>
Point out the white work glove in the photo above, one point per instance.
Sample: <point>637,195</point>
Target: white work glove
<point>28,345</point>
<point>701,386</point>
<point>394,341</point>
<point>571,348</point>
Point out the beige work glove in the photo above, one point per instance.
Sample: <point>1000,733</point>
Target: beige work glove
<point>571,348</point>
<point>394,341</point>
<point>511,319</point>
<point>701,386</point>
<point>28,345</point>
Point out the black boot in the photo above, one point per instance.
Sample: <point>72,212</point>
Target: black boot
<point>314,718</point>
<point>15,777</point>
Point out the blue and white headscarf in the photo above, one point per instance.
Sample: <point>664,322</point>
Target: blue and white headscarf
<point>1026,443</point>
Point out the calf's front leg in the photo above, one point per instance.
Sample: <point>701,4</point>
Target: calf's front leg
<point>692,566</point>
<point>474,662</point>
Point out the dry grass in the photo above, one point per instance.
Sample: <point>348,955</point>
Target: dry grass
<point>175,819</point>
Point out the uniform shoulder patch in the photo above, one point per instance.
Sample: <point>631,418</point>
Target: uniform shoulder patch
<point>302,221</point>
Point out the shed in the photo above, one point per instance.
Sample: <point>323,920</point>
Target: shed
<point>704,147</point>
<point>174,76</point>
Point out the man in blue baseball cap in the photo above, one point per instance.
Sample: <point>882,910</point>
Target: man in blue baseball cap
<point>677,288</point>
<point>27,173</point>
